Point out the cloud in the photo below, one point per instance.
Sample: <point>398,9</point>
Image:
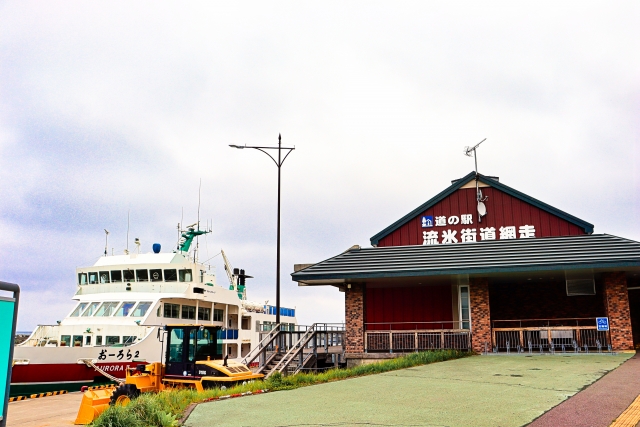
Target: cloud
<point>124,107</point>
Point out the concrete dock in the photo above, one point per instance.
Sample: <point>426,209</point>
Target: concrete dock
<point>51,411</point>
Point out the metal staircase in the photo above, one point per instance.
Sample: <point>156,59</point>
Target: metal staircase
<point>294,360</point>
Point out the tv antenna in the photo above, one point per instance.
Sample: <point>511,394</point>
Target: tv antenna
<point>482,209</point>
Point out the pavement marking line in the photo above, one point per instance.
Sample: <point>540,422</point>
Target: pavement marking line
<point>630,417</point>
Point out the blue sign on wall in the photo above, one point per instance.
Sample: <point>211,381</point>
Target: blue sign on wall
<point>602,323</point>
<point>427,221</point>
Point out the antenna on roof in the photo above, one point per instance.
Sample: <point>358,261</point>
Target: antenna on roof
<point>482,209</point>
<point>126,251</point>
<point>106,241</point>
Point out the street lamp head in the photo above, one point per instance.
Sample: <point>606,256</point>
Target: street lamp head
<point>237,146</point>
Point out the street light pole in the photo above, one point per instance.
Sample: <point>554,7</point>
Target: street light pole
<point>279,164</point>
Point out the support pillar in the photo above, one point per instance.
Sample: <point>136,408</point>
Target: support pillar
<point>354,319</point>
<point>480,314</point>
<point>617,301</point>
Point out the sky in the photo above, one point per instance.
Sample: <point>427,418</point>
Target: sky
<point>109,109</point>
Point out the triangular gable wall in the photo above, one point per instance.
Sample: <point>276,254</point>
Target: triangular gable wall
<point>506,207</point>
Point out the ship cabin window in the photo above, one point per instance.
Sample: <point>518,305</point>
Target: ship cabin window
<point>129,275</point>
<point>125,309</point>
<point>79,309</point>
<point>116,276</point>
<point>128,340</point>
<point>142,275</point>
<point>77,340</point>
<point>82,278</point>
<point>107,309</point>
<point>170,276</point>
<point>201,276</point>
<point>188,312</point>
<point>204,313</point>
<point>87,340</point>
<point>99,340</point>
<point>218,315</point>
<point>141,309</point>
<point>104,277</point>
<point>93,278</point>
<point>65,340</point>
<point>91,309</point>
<point>185,275</point>
<point>156,275</point>
<point>172,311</point>
<point>246,323</point>
<point>112,340</point>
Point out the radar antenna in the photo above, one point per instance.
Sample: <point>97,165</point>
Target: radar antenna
<point>482,209</point>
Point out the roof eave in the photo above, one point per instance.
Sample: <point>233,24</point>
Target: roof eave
<point>323,279</point>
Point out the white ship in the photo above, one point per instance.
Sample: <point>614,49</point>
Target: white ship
<point>123,302</point>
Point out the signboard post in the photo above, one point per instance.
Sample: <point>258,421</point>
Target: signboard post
<point>8,320</point>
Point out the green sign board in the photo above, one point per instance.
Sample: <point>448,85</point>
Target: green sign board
<point>8,319</point>
<point>7,308</point>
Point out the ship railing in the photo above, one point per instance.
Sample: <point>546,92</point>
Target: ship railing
<point>42,332</point>
<point>394,337</point>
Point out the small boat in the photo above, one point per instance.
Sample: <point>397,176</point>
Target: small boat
<point>123,303</point>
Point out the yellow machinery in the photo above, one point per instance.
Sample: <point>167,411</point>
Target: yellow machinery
<point>193,360</point>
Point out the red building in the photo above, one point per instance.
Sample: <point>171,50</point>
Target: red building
<point>525,276</point>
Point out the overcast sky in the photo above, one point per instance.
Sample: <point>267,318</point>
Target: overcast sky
<point>117,106</point>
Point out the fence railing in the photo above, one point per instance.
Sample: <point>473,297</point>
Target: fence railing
<point>416,340</point>
<point>554,338</point>
<point>415,326</point>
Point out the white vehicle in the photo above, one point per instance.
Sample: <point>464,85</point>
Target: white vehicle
<point>123,302</point>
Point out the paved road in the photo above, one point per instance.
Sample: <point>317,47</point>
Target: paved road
<point>492,391</point>
<point>52,411</point>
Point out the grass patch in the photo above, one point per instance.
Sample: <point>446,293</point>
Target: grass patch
<point>165,408</point>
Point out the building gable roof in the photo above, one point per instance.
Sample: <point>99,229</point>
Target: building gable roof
<point>587,227</point>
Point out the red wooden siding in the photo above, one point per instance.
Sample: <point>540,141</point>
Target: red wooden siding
<point>408,304</point>
<point>502,210</point>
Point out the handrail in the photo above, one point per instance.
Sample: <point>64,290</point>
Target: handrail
<point>295,349</point>
<point>273,333</point>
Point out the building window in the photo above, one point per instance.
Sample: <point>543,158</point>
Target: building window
<point>218,315</point>
<point>464,307</point>
<point>188,312</point>
<point>172,311</point>
<point>204,313</point>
